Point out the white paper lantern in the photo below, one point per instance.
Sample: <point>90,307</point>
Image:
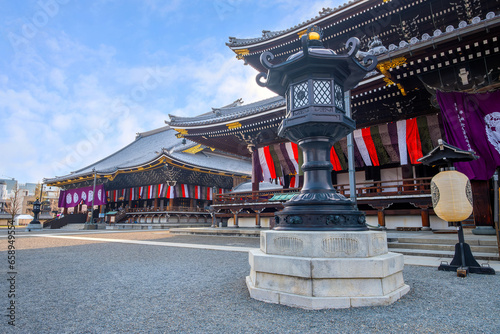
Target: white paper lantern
<point>451,196</point>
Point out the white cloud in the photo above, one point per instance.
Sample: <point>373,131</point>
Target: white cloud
<point>57,79</point>
<point>162,7</point>
<point>65,105</point>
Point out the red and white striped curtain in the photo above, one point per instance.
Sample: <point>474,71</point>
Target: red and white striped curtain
<point>197,192</point>
<point>162,190</point>
<point>402,142</point>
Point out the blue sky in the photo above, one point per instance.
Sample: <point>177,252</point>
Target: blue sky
<point>79,79</point>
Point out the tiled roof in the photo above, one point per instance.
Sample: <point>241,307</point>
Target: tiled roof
<point>149,146</point>
<point>227,114</point>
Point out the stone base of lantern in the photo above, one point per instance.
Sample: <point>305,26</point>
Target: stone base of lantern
<point>322,270</point>
<point>34,227</point>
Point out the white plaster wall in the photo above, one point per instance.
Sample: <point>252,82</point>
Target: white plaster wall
<point>439,224</point>
<point>372,220</point>
<point>249,222</point>
<point>392,222</point>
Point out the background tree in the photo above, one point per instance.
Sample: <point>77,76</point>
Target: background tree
<point>15,203</point>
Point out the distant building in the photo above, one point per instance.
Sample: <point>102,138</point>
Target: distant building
<point>27,195</point>
<point>3,195</point>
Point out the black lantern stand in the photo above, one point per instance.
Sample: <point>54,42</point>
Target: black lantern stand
<point>445,155</point>
<point>35,224</point>
<point>313,81</point>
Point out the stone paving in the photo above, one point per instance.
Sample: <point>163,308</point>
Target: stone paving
<point>156,282</point>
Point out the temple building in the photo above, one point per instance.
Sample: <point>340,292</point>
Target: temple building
<point>157,179</point>
<point>437,78</point>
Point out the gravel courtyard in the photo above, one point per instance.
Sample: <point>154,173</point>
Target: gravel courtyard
<point>97,286</point>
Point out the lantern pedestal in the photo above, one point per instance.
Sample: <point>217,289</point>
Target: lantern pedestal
<point>463,258</point>
<point>34,226</point>
<point>325,270</point>
<point>484,230</point>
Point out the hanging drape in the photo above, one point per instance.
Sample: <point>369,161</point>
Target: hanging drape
<point>472,122</point>
<point>401,142</point>
<point>73,197</point>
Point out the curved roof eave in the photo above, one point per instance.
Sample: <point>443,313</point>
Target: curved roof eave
<point>146,152</point>
<point>227,116</point>
<point>273,36</point>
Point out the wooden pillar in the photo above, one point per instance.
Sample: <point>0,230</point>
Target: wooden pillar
<point>257,218</point>
<point>483,215</point>
<point>235,213</point>
<point>425,218</point>
<point>156,203</point>
<point>170,204</point>
<point>65,211</point>
<point>191,203</point>
<point>381,217</point>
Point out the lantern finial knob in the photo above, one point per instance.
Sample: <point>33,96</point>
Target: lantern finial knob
<point>314,36</point>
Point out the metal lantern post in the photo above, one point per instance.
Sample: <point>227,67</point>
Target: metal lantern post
<point>35,225</point>
<point>314,82</point>
<point>452,201</point>
<point>320,253</point>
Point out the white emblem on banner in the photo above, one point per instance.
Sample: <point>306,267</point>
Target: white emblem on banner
<point>492,122</point>
<point>68,198</point>
<point>84,196</point>
<point>91,195</point>
<point>99,194</point>
<point>75,198</point>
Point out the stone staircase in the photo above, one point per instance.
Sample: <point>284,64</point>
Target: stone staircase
<point>483,248</point>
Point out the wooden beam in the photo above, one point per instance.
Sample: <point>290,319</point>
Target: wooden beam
<point>483,215</point>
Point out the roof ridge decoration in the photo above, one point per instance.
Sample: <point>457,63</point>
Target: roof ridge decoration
<point>267,34</point>
<point>151,132</point>
<point>438,33</point>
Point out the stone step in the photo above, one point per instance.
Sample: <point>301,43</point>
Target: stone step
<point>445,254</point>
<point>73,227</point>
<point>233,231</point>
<point>451,247</point>
<point>155,226</point>
<point>446,241</point>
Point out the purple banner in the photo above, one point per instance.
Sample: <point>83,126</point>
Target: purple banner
<point>73,197</point>
<point>472,122</point>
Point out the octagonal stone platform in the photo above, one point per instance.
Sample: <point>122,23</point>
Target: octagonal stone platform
<point>318,270</point>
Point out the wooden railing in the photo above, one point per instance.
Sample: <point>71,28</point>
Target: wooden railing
<point>167,209</point>
<point>404,187</point>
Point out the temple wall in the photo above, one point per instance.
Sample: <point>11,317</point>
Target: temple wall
<point>249,222</point>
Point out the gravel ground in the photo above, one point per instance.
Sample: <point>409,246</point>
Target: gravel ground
<point>112,287</point>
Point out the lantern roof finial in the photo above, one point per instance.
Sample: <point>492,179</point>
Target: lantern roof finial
<point>314,57</point>
<point>446,155</point>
